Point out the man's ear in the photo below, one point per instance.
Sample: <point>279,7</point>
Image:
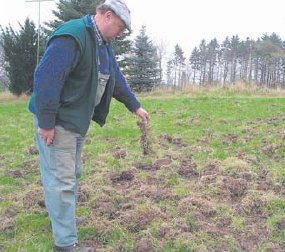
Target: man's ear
<point>108,15</point>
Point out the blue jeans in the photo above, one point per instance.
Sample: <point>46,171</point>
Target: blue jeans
<point>61,168</point>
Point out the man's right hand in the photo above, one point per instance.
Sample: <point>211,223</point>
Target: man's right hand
<point>47,135</point>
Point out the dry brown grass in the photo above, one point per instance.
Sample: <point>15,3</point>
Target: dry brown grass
<point>6,97</point>
<point>240,88</point>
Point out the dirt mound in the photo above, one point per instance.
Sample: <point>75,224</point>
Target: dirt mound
<point>235,188</point>
<point>15,174</point>
<point>118,177</point>
<point>32,198</point>
<point>32,150</point>
<point>120,154</point>
<point>139,219</point>
<point>144,245</point>
<point>197,206</point>
<point>188,169</point>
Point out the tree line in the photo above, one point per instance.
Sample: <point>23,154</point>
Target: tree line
<point>260,62</point>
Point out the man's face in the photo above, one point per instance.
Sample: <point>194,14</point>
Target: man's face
<point>114,27</point>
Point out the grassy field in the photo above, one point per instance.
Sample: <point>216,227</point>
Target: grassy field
<point>214,180</point>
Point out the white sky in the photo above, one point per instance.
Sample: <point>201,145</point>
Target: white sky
<point>183,22</point>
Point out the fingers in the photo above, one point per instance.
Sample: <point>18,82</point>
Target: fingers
<point>49,141</point>
<point>143,114</point>
<point>47,136</point>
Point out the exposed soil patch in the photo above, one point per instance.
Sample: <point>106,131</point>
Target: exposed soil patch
<point>253,204</point>
<point>197,206</point>
<point>82,196</point>
<point>280,225</point>
<point>155,193</point>
<point>235,187</point>
<point>91,243</point>
<point>177,142</point>
<point>188,169</point>
<point>30,167</point>
<point>88,141</point>
<point>32,198</point>
<point>194,121</point>
<point>11,212</point>
<point>15,174</point>
<point>139,219</point>
<point>6,224</point>
<point>144,166</point>
<point>161,162</point>
<point>120,154</point>
<point>144,245</point>
<point>248,158</point>
<point>222,122</point>
<point>32,150</point>
<point>105,207</point>
<point>257,231</point>
<point>264,185</point>
<point>211,168</point>
<point>117,177</point>
<point>230,139</point>
<point>271,149</point>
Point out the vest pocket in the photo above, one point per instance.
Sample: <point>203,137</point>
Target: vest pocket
<point>102,82</point>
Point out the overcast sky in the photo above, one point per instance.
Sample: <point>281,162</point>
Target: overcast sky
<point>183,22</point>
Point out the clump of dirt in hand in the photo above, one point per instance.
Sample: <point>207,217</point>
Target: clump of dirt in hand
<point>145,138</point>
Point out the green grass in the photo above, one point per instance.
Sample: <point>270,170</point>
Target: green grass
<point>223,187</point>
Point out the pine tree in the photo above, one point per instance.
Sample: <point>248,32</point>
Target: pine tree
<point>20,53</point>
<point>179,63</point>
<point>144,68</point>
<point>195,62</point>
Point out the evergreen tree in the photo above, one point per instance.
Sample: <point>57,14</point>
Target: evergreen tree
<point>213,50</point>
<point>20,56</point>
<point>195,62</point>
<point>203,61</point>
<point>179,63</point>
<point>169,72</point>
<point>144,67</point>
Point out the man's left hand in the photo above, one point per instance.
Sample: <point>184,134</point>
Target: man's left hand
<point>142,114</point>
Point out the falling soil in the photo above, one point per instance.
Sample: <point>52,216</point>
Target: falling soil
<point>145,139</point>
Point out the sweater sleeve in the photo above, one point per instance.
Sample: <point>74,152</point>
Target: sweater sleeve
<point>60,58</point>
<point>122,91</point>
